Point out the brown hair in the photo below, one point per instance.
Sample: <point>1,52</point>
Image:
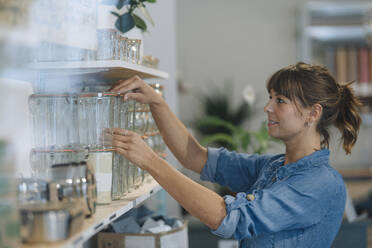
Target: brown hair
<point>313,84</point>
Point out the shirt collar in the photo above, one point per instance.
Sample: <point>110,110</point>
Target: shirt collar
<point>310,160</point>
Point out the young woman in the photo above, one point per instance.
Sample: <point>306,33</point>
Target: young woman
<point>294,199</point>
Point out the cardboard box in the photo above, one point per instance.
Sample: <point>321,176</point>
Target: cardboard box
<point>175,238</point>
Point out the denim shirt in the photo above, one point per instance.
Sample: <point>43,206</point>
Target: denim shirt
<point>300,204</point>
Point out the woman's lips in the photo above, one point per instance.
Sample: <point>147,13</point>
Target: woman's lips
<point>272,123</point>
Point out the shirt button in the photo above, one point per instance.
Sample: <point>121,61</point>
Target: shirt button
<point>250,197</point>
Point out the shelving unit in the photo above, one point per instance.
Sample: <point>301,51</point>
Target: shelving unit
<point>330,23</point>
<point>109,69</point>
<point>105,214</point>
<point>335,35</point>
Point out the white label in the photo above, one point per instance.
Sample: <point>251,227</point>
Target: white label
<point>104,181</point>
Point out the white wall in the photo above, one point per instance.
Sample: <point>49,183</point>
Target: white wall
<point>243,41</point>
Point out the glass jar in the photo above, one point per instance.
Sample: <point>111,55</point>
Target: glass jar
<point>134,51</point>
<point>107,43</point>
<point>42,160</point>
<point>122,48</point>
<point>131,125</point>
<point>158,88</point>
<point>126,122</point>
<point>98,113</point>
<point>54,120</point>
<point>101,161</point>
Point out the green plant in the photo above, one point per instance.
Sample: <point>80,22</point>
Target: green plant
<point>129,19</point>
<point>222,126</point>
<point>237,139</point>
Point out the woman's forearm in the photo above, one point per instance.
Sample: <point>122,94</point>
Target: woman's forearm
<point>181,143</point>
<point>199,201</point>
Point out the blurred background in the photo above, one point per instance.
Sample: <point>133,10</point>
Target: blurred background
<point>218,56</point>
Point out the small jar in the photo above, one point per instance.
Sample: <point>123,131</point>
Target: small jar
<point>101,161</point>
<point>107,43</point>
<point>122,47</point>
<point>97,112</point>
<point>134,51</point>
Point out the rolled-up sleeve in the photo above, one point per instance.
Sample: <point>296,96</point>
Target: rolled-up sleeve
<point>295,203</point>
<point>235,170</point>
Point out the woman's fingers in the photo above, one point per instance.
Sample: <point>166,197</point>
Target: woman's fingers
<point>125,86</point>
<point>121,131</point>
<point>122,138</point>
<point>120,144</point>
<point>122,83</point>
<point>134,96</point>
<point>121,151</point>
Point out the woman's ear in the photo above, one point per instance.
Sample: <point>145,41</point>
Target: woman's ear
<point>316,112</point>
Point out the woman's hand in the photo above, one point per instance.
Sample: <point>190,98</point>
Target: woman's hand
<point>142,92</point>
<point>133,147</point>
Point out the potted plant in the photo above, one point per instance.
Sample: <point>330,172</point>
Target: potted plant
<point>129,19</point>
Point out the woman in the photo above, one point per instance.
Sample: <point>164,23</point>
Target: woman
<point>294,199</point>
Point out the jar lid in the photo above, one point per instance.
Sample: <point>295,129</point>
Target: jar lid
<point>50,95</point>
<point>102,150</point>
<point>101,94</point>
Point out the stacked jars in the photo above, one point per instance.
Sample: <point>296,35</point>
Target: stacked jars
<point>66,122</point>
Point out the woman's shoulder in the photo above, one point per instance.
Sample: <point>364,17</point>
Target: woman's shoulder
<point>325,177</point>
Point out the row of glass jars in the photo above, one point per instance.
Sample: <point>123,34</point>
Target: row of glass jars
<point>111,45</point>
<point>81,119</point>
<point>62,122</point>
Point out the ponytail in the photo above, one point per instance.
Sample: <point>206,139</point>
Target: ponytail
<point>348,119</point>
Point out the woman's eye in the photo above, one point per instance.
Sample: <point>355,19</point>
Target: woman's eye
<point>279,100</point>
<point>270,97</point>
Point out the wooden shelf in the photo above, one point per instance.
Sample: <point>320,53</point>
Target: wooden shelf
<point>110,69</point>
<point>356,174</point>
<point>105,214</point>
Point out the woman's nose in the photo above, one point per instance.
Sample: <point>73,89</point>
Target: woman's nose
<point>268,107</point>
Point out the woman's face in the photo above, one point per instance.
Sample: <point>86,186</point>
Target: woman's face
<point>284,119</point>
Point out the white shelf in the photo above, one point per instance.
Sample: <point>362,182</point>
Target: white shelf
<point>339,9</point>
<point>105,214</point>
<point>111,69</point>
<point>336,34</point>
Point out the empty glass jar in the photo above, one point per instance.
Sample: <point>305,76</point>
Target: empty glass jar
<point>107,43</point>
<point>122,48</point>
<point>54,120</point>
<point>102,162</point>
<point>98,112</point>
<point>134,51</point>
